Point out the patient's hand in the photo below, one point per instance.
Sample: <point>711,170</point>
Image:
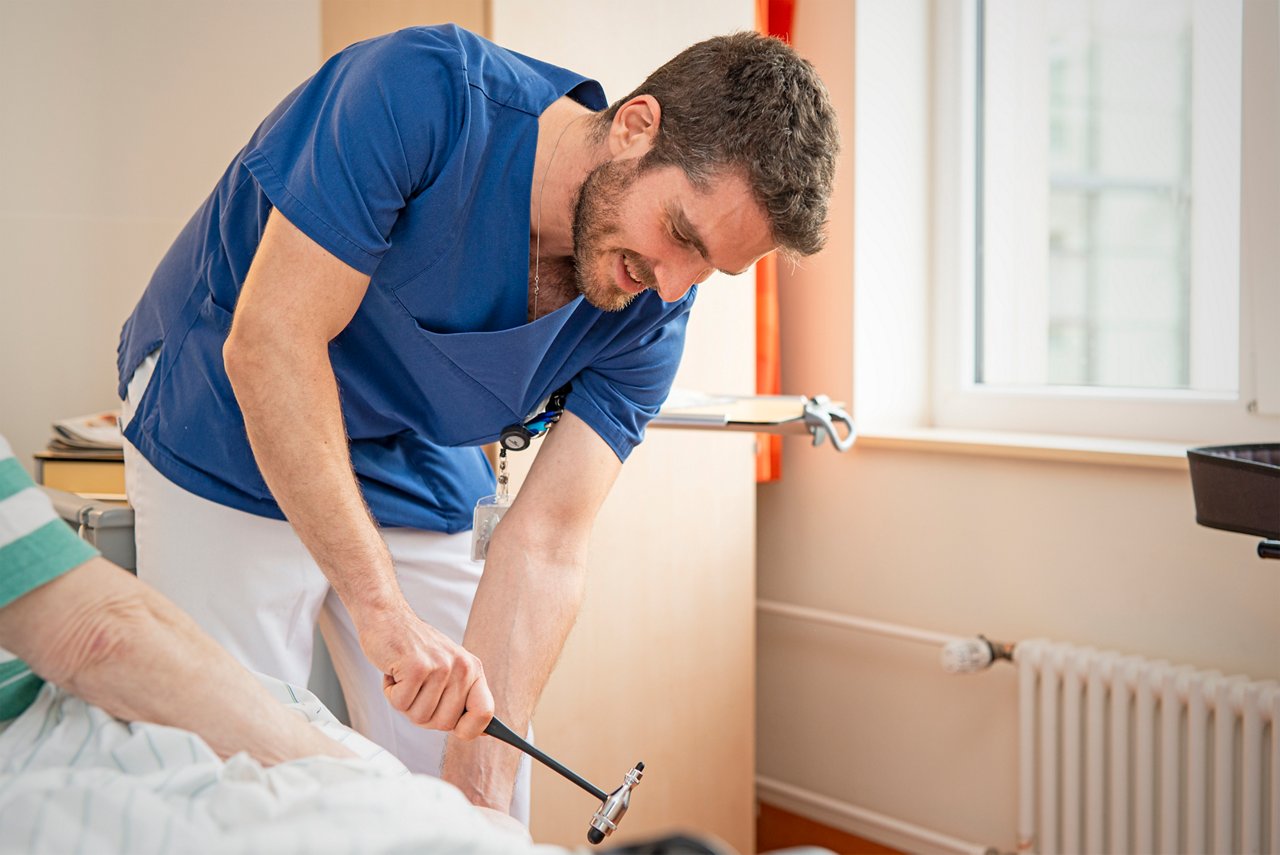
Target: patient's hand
<point>506,823</point>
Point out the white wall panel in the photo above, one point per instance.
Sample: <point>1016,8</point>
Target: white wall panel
<point>119,117</point>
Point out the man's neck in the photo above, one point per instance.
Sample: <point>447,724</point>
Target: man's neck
<point>565,155</point>
<point>556,286</point>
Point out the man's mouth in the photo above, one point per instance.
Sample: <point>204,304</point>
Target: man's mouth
<point>626,275</point>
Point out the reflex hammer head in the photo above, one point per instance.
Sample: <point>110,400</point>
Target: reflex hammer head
<point>613,808</point>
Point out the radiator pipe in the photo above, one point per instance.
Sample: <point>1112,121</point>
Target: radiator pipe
<point>960,655</point>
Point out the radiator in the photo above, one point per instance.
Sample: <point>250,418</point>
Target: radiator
<point>1119,754</point>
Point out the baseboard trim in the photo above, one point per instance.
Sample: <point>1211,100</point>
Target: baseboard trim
<point>864,823</point>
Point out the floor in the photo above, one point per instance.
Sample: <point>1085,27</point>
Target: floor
<point>778,829</point>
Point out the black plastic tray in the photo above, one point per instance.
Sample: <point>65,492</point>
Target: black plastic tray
<point>1237,488</point>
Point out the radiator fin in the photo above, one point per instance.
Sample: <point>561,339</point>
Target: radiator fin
<point>1120,754</point>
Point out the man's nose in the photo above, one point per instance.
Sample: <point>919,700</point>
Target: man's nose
<point>677,277</point>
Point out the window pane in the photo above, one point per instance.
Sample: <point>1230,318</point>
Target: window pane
<point>1095,101</point>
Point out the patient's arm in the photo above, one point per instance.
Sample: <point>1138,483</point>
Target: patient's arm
<point>99,633</point>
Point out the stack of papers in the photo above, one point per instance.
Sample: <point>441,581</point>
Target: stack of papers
<point>691,409</point>
<point>96,433</point>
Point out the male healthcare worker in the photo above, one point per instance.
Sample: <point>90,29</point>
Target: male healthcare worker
<point>414,250</point>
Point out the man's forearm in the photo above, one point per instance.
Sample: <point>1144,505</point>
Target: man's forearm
<point>104,636</point>
<point>526,605</point>
<point>295,300</point>
<point>289,399</point>
<point>530,593</point>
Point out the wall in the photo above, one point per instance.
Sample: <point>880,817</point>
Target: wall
<point>343,22</point>
<point>119,117</point>
<point>1108,556</point>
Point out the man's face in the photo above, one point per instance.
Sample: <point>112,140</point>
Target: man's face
<point>636,230</point>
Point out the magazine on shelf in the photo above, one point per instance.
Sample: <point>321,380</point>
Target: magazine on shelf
<point>93,432</point>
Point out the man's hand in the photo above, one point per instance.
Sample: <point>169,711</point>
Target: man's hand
<point>436,683</point>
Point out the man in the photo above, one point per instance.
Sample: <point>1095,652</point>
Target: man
<point>416,249</point>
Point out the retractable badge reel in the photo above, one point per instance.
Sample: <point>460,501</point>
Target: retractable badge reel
<point>517,437</point>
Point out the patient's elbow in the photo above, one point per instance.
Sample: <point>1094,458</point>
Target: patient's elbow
<point>95,639</point>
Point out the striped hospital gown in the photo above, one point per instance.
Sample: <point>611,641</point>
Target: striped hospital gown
<point>75,780</point>
<point>35,547</point>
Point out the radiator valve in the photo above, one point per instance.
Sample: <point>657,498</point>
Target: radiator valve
<point>971,655</point>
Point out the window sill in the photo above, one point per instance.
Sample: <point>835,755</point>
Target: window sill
<point>1029,446</point>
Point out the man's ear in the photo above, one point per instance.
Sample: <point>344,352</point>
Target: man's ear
<point>634,127</point>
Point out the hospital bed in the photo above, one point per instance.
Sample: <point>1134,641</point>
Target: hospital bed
<point>73,778</point>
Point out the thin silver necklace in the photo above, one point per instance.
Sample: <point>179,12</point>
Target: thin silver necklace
<point>537,240</point>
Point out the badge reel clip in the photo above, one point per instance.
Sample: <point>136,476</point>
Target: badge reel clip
<point>517,437</point>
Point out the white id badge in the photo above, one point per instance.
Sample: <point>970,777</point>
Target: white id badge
<point>484,520</point>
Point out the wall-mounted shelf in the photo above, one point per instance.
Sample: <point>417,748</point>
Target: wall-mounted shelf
<point>781,414</point>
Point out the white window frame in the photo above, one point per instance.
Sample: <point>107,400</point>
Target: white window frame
<point>1252,414</point>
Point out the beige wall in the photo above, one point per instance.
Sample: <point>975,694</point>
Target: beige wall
<point>1108,556</point>
<point>119,117</point>
<point>347,21</point>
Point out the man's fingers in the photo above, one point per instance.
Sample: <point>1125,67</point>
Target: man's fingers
<point>452,703</point>
<point>403,688</point>
<point>441,698</point>
<point>436,683</point>
<point>424,705</point>
<point>479,711</point>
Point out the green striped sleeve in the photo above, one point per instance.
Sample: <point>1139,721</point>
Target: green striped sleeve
<point>18,688</point>
<point>36,558</point>
<point>13,478</point>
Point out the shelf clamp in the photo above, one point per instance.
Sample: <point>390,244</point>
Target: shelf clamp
<point>821,417</point>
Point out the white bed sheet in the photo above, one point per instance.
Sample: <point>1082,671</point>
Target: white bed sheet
<point>75,779</point>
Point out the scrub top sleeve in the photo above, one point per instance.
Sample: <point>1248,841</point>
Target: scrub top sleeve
<point>373,126</point>
<point>619,395</point>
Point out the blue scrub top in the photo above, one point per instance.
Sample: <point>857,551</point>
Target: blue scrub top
<point>410,158</point>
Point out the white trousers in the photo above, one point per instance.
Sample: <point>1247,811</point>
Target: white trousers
<point>250,583</point>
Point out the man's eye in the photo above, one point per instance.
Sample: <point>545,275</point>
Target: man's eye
<point>679,238</point>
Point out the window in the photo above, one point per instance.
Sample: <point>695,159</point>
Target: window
<point>1089,160</point>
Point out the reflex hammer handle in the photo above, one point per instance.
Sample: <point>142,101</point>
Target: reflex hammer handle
<point>501,732</point>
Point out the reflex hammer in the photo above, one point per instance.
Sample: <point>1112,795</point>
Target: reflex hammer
<point>612,805</point>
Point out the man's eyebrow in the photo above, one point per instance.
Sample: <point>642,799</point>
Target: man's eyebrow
<point>686,228</point>
<point>690,233</point>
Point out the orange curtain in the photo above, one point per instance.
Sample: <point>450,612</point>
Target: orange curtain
<point>773,18</point>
